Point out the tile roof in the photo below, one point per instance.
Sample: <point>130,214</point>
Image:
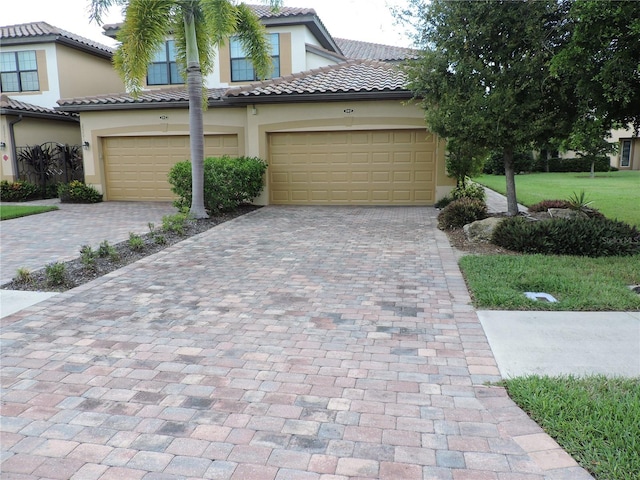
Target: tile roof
<point>265,11</point>
<point>355,76</point>
<point>42,30</point>
<point>8,104</point>
<point>166,95</point>
<point>374,51</point>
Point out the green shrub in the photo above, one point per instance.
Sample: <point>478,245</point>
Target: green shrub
<point>135,241</point>
<point>228,182</point>
<point>443,202</point>
<point>55,273</point>
<point>78,192</point>
<point>176,223</point>
<point>470,190</point>
<point>18,191</point>
<point>107,250</point>
<point>589,237</point>
<point>460,212</point>
<point>545,205</point>
<point>88,256</point>
<point>23,275</point>
<point>602,164</point>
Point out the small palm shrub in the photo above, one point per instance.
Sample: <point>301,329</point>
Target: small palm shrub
<point>590,237</point>
<point>78,192</point>
<point>460,212</point>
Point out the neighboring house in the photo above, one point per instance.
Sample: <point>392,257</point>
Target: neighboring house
<point>39,64</point>
<point>336,123</point>
<point>628,155</point>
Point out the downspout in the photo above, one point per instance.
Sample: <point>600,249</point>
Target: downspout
<point>14,151</point>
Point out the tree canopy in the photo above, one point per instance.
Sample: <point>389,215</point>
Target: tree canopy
<point>484,74</point>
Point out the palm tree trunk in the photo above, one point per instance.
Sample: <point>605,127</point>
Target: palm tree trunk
<point>509,173</point>
<point>196,129</point>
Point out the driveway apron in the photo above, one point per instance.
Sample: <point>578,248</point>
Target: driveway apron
<point>311,343</point>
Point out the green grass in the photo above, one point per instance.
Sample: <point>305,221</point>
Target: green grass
<point>498,282</point>
<point>14,211</point>
<point>595,419</point>
<point>615,194</point>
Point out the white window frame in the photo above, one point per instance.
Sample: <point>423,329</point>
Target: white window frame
<point>625,156</point>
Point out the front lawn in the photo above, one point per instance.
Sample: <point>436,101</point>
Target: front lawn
<point>615,194</point>
<point>498,282</point>
<point>595,419</point>
<point>14,211</point>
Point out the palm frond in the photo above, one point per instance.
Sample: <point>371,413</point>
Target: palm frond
<point>253,38</point>
<point>97,8</point>
<point>220,19</point>
<point>144,31</point>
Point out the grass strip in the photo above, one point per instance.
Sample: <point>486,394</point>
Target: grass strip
<point>8,212</point>
<point>615,194</point>
<point>595,419</point>
<point>498,282</point>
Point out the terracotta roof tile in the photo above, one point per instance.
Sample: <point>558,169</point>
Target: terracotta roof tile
<point>8,103</point>
<point>353,76</point>
<point>265,11</point>
<point>43,29</point>
<point>166,95</point>
<point>374,51</point>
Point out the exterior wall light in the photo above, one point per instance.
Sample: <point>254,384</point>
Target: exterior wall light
<point>85,145</point>
<point>3,145</point>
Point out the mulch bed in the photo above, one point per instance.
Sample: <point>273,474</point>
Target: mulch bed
<point>77,273</point>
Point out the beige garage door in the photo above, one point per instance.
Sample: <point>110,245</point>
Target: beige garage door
<point>136,168</point>
<point>386,167</point>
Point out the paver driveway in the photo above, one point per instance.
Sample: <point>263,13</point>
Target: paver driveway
<point>291,343</point>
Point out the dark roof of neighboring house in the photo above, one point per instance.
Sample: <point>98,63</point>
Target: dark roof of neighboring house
<point>10,106</point>
<point>355,79</point>
<point>42,32</point>
<point>374,51</point>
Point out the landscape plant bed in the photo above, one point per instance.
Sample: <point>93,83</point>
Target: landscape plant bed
<point>77,272</point>
<point>615,194</point>
<point>498,282</point>
<point>595,419</point>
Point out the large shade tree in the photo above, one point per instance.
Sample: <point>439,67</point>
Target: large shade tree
<point>198,27</point>
<point>484,74</point>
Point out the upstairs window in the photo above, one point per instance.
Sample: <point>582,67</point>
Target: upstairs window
<point>241,66</point>
<point>19,71</point>
<point>164,69</point>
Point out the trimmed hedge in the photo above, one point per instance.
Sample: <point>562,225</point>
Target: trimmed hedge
<point>589,237</point>
<point>228,182</point>
<point>577,164</point>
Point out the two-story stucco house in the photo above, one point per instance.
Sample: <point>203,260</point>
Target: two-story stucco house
<point>335,123</point>
<point>39,64</point>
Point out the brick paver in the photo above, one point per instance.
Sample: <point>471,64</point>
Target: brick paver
<point>291,343</point>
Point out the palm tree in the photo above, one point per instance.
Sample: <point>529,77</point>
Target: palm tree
<point>198,26</point>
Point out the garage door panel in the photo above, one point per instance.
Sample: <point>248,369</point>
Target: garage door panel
<point>367,167</point>
<point>136,168</point>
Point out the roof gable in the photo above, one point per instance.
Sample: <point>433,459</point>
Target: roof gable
<point>375,51</point>
<point>42,32</point>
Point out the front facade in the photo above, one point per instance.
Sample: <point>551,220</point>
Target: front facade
<point>628,154</point>
<point>334,130</point>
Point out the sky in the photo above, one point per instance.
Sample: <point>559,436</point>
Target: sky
<point>366,20</point>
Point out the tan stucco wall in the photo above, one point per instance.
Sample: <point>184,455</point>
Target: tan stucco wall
<point>253,127</point>
<point>82,74</point>
<point>34,131</point>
